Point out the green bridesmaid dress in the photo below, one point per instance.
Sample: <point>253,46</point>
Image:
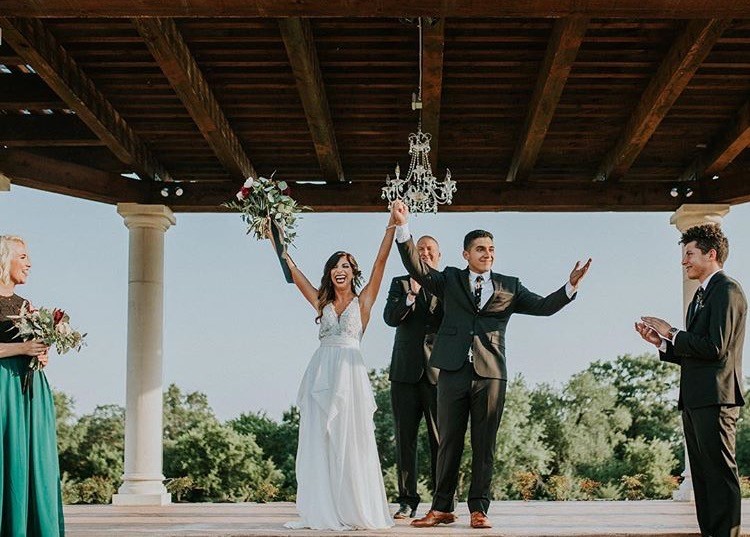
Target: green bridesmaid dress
<point>30,497</point>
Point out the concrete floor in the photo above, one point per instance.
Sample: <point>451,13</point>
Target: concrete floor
<point>540,519</point>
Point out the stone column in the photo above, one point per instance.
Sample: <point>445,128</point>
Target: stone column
<point>4,182</point>
<point>687,216</point>
<point>143,481</point>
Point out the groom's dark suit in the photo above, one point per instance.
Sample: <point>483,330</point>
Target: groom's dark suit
<point>709,353</point>
<point>477,387</point>
<point>413,382</point>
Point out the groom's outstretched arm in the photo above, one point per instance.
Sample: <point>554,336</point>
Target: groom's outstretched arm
<point>428,277</point>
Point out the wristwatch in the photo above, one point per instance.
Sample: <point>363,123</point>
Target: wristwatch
<point>672,333</point>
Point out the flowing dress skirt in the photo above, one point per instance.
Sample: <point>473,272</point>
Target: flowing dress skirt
<point>30,498</point>
<point>340,483</point>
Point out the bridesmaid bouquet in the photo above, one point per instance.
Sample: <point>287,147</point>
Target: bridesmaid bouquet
<point>267,209</point>
<point>50,326</point>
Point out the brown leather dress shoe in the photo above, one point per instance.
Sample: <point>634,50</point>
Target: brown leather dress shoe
<point>479,520</point>
<point>433,518</point>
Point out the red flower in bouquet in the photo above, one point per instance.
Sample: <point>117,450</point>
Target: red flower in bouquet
<point>57,316</point>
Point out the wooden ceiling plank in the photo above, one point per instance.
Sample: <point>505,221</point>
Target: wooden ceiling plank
<point>725,147</point>
<point>179,66</point>
<point>300,45</point>
<point>20,91</point>
<point>562,49</point>
<point>52,175</point>
<point>665,9</point>
<point>432,83</point>
<point>674,73</point>
<point>54,130</point>
<point>34,42</point>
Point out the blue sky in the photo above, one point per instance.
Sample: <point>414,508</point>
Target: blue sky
<point>236,331</point>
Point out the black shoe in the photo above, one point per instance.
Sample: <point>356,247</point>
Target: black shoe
<point>405,511</point>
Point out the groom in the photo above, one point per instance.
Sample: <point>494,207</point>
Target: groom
<point>469,350</point>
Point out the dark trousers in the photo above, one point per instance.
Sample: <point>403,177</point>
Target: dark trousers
<point>412,402</point>
<point>461,394</point>
<point>710,436</point>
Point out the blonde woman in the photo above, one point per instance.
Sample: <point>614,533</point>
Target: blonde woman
<point>30,499</point>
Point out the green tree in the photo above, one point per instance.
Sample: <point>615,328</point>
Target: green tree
<point>223,465</point>
<point>648,388</point>
<point>592,425</point>
<point>521,446</point>
<point>654,460</point>
<point>277,440</point>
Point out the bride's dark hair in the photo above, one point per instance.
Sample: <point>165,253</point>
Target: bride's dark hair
<point>326,292</point>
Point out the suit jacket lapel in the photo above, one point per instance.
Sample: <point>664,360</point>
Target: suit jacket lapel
<point>719,276</point>
<point>497,285</point>
<point>466,287</point>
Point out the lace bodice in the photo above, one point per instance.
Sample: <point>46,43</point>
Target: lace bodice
<point>349,325</point>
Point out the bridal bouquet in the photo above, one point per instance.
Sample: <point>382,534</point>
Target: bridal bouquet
<point>266,207</point>
<point>50,326</point>
<point>268,210</point>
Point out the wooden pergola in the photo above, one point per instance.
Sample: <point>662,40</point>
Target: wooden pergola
<point>534,105</point>
<point>546,105</point>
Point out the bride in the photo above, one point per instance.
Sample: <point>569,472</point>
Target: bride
<point>339,480</point>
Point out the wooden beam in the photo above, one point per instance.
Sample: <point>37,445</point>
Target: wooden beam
<point>8,57</point>
<point>432,83</point>
<point>562,49</point>
<point>732,188</point>
<point>725,147</point>
<point>55,130</point>
<point>60,177</point>
<point>470,196</point>
<point>671,9</point>
<point>173,56</point>
<point>673,75</point>
<point>300,47</point>
<point>27,91</point>
<point>40,49</point>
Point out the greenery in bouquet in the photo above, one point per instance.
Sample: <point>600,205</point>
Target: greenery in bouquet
<point>50,326</point>
<point>263,201</point>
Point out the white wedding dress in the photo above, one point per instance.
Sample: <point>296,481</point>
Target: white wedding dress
<point>339,480</point>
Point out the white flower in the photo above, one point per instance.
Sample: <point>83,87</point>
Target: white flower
<point>240,197</point>
<point>249,182</point>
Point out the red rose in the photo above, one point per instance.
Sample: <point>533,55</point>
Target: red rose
<point>245,191</point>
<point>287,191</point>
<point>57,316</point>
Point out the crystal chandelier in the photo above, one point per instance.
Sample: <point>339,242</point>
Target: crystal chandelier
<point>419,190</point>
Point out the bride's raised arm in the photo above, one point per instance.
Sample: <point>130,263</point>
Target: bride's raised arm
<point>308,290</point>
<point>370,291</point>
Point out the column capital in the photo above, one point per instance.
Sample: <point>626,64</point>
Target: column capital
<point>4,182</point>
<point>695,214</point>
<point>139,215</point>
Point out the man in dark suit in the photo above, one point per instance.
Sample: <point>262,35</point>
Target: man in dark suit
<point>469,350</point>
<point>709,353</point>
<point>416,315</point>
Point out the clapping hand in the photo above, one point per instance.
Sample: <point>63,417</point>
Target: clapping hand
<point>648,333</point>
<point>579,271</point>
<point>660,326</point>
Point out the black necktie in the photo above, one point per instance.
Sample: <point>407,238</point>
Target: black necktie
<point>478,291</point>
<point>696,304</point>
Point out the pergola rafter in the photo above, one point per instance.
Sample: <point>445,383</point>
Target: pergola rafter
<point>300,46</point>
<point>567,35</point>
<point>173,56</point>
<point>38,47</point>
<point>675,72</point>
